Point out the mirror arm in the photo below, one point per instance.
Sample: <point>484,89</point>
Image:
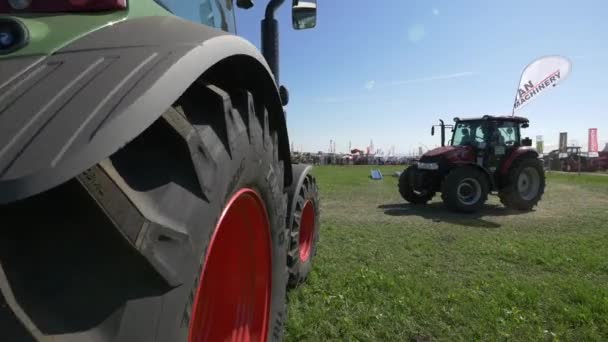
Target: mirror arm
<point>272,7</point>
<point>270,37</point>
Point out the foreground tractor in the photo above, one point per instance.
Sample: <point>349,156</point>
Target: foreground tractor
<point>146,186</point>
<point>484,155</point>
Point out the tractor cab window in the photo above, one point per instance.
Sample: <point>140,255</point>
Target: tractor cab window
<point>471,133</point>
<point>462,135</point>
<point>482,132</point>
<point>508,133</point>
<point>214,13</point>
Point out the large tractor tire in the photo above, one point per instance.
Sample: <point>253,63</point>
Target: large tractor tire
<point>407,191</point>
<point>207,179</point>
<point>303,225</point>
<point>465,189</point>
<point>525,184</point>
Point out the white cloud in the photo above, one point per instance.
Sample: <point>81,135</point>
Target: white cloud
<point>335,99</point>
<point>435,11</point>
<point>416,33</point>
<point>373,84</point>
<point>431,78</point>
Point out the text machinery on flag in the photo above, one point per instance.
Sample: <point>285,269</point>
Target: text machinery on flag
<point>539,76</point>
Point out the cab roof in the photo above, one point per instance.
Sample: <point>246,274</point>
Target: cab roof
<point>518,119</point>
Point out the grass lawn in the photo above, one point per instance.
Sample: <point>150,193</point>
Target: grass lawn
<point>389,271</point>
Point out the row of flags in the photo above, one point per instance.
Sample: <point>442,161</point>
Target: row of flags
<point>592,145</point>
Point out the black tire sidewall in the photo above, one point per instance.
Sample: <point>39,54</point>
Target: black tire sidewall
<point>406,190</point>
<point>300,270</point>
<point>510,196</point>
<point>450,188</point>
<point>251,165</point>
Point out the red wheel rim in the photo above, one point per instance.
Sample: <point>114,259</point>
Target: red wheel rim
<point>307,227</point>
<point>232,301</point>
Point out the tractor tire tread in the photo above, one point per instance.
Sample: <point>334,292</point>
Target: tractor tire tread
<point>509,195</point>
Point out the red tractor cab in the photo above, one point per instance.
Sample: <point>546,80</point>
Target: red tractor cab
<point>484,155</point>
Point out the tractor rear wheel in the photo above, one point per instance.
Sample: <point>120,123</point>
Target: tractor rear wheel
<point>238,293</point>
<point>407,190</point>
<point>203,190</point>
<point>465,189</point>
<point>304,233</point>
<point>525,184</point>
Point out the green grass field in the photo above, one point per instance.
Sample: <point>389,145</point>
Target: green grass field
<point>389,271</point>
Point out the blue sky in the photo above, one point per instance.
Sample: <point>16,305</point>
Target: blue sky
<point>387,70</point>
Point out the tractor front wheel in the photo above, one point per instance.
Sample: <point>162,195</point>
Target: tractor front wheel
<point>408,190</point>
<point>525,184</point>
<point>465,189</point>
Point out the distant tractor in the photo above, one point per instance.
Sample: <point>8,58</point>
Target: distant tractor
<point>602,161</point>
<point>485,155</point>
<point>573,160</point>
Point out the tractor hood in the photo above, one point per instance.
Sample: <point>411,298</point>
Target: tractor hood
<point>441,151</point>
<point>453,153</point>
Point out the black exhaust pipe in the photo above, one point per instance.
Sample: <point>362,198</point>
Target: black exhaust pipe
<point>442,133</point>
<point>270,37</point>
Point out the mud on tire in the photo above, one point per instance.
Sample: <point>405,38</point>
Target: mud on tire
<point>525,184</point>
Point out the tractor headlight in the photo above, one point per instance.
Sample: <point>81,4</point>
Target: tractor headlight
<point>428,166</point>
<point>13,35</point>
<point>20,4</point>
<point>6,39</point>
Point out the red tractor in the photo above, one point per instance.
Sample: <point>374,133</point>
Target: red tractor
<point>484,155</point>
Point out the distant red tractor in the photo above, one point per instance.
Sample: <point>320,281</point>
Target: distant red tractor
<point>602,160</point>
<point>574,160</point>
<point>485,155</point>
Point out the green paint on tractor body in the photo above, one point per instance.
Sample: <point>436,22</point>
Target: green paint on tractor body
<point>50,32</point>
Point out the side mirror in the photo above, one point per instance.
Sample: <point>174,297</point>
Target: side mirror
<point>432,130</point>
<point>304,14</point>
<point>526,142</point>
<point>525,125</point>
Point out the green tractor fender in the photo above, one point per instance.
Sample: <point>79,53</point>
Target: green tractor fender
<point>61,114</point>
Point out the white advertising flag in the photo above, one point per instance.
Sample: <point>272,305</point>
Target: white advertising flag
<point>539,76</point>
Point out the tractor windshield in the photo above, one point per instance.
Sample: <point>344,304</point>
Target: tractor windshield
<point>508,133</point>
<point>214,13</point>
<point>476,132</point>
<point>470,133</point>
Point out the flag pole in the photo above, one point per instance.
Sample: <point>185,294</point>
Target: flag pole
<point>518,84</point>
